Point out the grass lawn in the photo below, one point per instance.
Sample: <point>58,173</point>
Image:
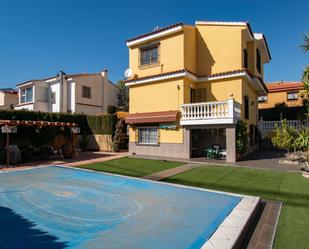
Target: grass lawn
<point>132,166</point>
<point>290,188</point>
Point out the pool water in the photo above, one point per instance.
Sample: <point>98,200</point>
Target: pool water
<point>57,207</point>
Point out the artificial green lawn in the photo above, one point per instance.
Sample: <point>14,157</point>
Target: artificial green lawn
<point>132,166</point>
<point>290,188</point>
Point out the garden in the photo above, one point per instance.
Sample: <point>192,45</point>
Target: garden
<point>290,188</point>
<point>44,136</point>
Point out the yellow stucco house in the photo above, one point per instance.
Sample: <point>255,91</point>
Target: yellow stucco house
<point>290,93</point>
<point>189,85</point>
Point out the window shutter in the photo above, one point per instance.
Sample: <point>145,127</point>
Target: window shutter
<point>192,95</point>
<point>246,106</point>
<point>200,95</point>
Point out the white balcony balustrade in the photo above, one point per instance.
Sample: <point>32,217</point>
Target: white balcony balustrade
<point>219,112</point>
<point>266,127</point>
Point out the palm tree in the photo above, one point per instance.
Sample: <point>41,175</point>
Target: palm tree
<point>305,46</point>
<point>305,78</point>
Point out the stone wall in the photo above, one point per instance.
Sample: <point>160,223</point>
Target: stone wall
<point>100,142</point>
<point>173,150</point>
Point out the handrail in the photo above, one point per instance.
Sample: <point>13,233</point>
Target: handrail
<point>211,110</point>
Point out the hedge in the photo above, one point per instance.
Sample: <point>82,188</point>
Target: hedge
<point>102,124</point>
<point>105,124</point>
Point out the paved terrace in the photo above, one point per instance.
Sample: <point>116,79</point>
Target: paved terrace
<point>87,157</point>
<point>263,159</point>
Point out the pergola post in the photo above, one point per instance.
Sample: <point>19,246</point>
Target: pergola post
<point>7,145</point>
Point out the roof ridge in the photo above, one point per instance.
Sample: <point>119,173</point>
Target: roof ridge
<point>156,31</point>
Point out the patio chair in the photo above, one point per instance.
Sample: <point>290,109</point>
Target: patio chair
<point>57,153</point>
<point>213,152</point>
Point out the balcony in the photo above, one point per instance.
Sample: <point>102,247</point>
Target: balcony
<point>219,112</point>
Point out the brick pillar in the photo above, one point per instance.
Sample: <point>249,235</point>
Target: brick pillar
<point>231,144</point>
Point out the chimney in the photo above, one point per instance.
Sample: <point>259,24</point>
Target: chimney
<point>104,73</point>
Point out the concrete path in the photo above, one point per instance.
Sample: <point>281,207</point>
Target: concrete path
<point>170,172</point>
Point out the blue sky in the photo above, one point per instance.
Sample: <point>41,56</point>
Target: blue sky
<point>40,37</point>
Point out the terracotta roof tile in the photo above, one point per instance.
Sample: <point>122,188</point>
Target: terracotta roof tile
<point>155,32</point>
<point>211,75</point>
<point>284,86</point>
<point>157,75</point>
<point>8,90</point>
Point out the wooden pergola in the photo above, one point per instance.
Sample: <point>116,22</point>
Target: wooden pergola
<point>9,126</point>
<point>35,123</point>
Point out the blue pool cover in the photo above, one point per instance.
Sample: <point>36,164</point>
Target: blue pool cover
<point>55,207</point>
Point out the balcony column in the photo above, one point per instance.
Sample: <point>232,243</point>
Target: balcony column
<point>230,107</point>
<point>231,144</point>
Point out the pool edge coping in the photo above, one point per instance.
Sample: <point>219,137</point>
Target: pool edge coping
<point>226,235</point>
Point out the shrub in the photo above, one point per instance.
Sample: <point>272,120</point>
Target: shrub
<point>302,140</point>
<point>241,137</point>
<point>111,109</point>
<point>284,137</point>
<point>281,110</point>
<point>104,124</point>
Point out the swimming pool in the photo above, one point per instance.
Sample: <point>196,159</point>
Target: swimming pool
<point>59,207</point>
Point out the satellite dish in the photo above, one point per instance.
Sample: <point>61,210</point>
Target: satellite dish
<point>128,73</point>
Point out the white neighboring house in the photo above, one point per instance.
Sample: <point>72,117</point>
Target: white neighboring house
<point>71,93</point>
<point>8,98</point>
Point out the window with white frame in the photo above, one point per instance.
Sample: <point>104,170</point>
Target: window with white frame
<point>149,55</point>
<point>148,135</point>
<point>26,95</point>
<point>292,95</point>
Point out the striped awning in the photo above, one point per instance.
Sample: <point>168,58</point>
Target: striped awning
<point>152,117</point>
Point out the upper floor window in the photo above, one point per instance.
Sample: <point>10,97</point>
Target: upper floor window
<point>149,55</point>
<point>245,54</point>
<point>258,61</point>
<point>246,105</point>
<point>292,95</point>
<point>262,99</point>
<point>86,92</point>
<point>26,95</point>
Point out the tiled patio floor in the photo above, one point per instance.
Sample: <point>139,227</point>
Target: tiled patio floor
<point>86,157</point>
<point>263,159</point>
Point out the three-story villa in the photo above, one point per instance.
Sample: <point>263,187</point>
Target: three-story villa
<point>189,86</point>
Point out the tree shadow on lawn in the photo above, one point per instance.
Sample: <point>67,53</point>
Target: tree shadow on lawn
<point>290,198</point>
<point>17,232</point>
